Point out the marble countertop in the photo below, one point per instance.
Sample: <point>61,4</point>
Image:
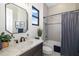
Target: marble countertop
<point>15,49</point>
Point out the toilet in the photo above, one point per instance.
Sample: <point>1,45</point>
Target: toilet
<point>47,51</point>
<point>49,46</point>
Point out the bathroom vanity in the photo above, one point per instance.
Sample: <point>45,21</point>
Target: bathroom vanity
<point>31,47</point>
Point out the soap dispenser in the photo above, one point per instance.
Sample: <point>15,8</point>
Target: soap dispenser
<point>27,36</point>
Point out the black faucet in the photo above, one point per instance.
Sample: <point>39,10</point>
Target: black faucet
<point>22,39</point>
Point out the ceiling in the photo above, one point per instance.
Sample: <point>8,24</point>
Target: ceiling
<point>50,4</point>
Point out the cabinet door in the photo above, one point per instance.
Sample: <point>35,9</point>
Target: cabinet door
<point>36,51</point>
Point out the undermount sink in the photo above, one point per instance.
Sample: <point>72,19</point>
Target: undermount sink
<point>24,45</point>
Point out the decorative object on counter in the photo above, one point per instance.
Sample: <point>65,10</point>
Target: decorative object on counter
<point>5,39</point>
<point>36,37</point>
<point>16,41</point>
<point>27,34</point>
<point>27,37</point>
<point>39,32</point>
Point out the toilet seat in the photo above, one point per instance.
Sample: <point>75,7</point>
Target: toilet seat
<point>47,50</point>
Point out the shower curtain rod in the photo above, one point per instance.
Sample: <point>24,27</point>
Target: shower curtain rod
<point>60,13</point>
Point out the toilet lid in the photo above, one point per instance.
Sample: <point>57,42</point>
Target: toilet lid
<point>47,50</point>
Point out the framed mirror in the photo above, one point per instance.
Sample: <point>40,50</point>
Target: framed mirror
<point>16,19</point>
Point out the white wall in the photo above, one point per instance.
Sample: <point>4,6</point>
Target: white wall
<point>31,28</point>
<point>45,10</point>
<point>63,7</point>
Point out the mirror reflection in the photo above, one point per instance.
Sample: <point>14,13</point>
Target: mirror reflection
<point>16,19</point>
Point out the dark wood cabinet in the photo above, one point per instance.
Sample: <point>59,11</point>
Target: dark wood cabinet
<point>35,51</point>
